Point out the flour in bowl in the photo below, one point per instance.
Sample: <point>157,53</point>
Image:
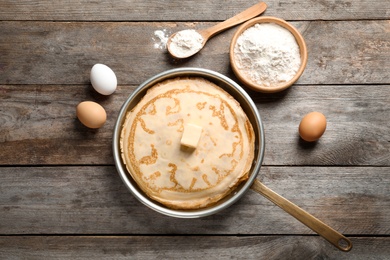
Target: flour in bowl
<point>267,54</point>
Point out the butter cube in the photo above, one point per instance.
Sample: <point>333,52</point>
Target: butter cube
<point>191,135</point>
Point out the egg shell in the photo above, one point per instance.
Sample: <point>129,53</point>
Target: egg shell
<point>91,114</point>
<point>103,79</point>
<point>312,126</point>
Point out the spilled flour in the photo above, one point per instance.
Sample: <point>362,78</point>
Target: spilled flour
<point>160,39</point>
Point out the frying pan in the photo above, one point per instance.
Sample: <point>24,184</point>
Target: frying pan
<point>334,237</point>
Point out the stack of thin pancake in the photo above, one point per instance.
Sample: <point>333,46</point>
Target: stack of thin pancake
<point>171,173</point>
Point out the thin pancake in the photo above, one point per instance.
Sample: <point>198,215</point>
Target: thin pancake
<point>172,174</point>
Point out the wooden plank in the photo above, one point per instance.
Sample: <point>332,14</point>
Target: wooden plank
<point>356,119</point>
<point>340,52</point>
<point>39,125</point>
<point>189,247</point>
<point>93,200</point>
<point>184,10</point>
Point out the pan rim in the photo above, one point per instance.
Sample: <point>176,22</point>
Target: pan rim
<point>238,193</point>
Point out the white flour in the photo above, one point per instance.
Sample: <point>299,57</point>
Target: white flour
<point>268,54</point>
<point>185,43</point>
<point>160,39</point>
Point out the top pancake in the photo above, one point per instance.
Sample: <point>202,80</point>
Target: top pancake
<point>175,175</point>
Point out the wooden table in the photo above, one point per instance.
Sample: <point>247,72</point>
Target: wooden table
<point>60,194</point>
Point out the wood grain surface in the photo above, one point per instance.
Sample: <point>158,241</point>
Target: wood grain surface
<point>188,247</point>
<point>61,196</point>
<point>184,10</point>
<point>72,200</point>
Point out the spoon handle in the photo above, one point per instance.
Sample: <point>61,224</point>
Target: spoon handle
<point>249,13</point>
<point>334,237</point>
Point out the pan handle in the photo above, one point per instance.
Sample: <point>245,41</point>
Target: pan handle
<point>334,237</point>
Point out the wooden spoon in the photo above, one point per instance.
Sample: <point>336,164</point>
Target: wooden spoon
<point>206,34</point>
<point>334,237</point>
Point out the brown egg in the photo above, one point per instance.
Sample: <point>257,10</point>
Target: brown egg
<point>91,114</point>
<point>312,126</point>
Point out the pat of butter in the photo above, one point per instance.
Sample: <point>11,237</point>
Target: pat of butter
<point>191,135</point>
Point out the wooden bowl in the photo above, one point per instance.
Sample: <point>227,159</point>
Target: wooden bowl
<point>262,88</point>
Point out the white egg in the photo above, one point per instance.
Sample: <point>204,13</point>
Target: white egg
<point>103,79</point>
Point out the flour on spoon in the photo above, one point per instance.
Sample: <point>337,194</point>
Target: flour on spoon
<point>186,43</point>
